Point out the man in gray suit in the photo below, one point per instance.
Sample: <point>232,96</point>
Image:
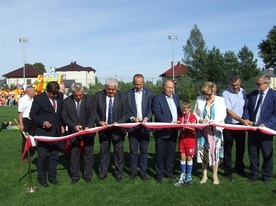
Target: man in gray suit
<point>139,101</point>
<point>78,113</point>
<point>111,108</point>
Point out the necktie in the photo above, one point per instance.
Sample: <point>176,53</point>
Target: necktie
<point>78,108</point>
<point>257,106</point>
<point>54,104</point>
<point>110,107</point>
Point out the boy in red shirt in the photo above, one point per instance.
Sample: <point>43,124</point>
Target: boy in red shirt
<point>186,144</point>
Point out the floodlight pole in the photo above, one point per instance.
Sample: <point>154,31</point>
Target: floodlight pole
<point>23,41</point>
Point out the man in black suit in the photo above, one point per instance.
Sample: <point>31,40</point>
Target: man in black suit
<point>165,107</point>
<point>46,112</point>
<point>78,113</point>
<point>261,111</point>
<point>139,101</point>
<point>111,108</point>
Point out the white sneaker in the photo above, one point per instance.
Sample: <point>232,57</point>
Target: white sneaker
<point>179,183</point>
<point>182,176</point>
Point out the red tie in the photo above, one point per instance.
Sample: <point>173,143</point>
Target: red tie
<point>54,104</point>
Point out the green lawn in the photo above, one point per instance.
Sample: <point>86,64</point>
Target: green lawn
<point>108,192</point>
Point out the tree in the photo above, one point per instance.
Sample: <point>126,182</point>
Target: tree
<point>92,89</point>
<point>39,66</point>
<point>268,49</point>
<point>185,88</point>
<point>195,54</point>
<point>125,86</point>
<point>231,64</point>
<point>248,65</point>
<point>214,68</point>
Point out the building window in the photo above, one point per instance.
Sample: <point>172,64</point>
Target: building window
<point>29,81</point>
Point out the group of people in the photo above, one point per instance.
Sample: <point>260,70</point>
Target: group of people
<point>53,115</point>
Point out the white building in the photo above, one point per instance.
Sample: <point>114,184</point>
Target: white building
<point>73,71</point>
<point>16,77</point>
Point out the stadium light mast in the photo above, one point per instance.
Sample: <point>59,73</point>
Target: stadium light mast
<point>23,41</point>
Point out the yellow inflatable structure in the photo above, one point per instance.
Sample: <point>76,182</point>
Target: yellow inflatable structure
<point>42,80</point>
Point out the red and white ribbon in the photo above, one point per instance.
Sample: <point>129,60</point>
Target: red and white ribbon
<point>154,125</point>
<point>151,125</point>
<point>30,140</point>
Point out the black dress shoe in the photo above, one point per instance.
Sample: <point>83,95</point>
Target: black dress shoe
<point>144,177</point>
<point>158,179</point>
<point>133,176</point>
<point>87,180</point>
<point>44,184</point>
<point>230,177</point>
<point>54,182</point>
<point>266,181</point>
<point>119,179</point>
<point>243,174</point>
<point>253,179</point>
<point>169,176</point>
<point>101,178</point>
<point>73,182</point>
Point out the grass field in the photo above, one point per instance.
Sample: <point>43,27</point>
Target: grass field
<point>108,192</point>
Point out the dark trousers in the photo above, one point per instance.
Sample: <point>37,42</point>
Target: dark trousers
<point>47,150</point>
<point>165,151</point>
<point>88,157</point>
<point>29,127</point>
<point>229,137</point>
<point>118,146</point>
<point>138,139</point>
<point>258,141</point>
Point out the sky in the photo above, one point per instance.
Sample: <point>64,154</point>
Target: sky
<point>119,38</point>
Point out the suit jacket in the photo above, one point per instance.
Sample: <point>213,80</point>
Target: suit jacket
<point>42,110</point>
<point>220,108</point>
<point>162,112</point>
<point>146,105</point>
<point>70,117</point>
<point>120,112</point>
<point>268,109</point>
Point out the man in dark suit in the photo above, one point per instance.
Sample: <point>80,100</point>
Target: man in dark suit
<point>165,107</point>
<point>78,113</point>
<point>261,111</point>
<point>111,108</point>
<point>139,101</point>
<point>46,112</point>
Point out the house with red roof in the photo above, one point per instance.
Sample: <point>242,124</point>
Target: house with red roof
<point>16,77</point>
<point>77,73</point>
<point>70,73</point>
<point>174,72</point>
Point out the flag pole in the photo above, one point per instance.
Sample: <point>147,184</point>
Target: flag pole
<point>30,189</point>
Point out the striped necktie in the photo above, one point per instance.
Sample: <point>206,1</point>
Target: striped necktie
<point>110,107</point>
<point>257,106</point>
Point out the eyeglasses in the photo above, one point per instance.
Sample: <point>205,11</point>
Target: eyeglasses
<point>259,84</point>
<point>207,94</point>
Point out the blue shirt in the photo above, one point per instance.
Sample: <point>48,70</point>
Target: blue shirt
<point>235,102</point>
